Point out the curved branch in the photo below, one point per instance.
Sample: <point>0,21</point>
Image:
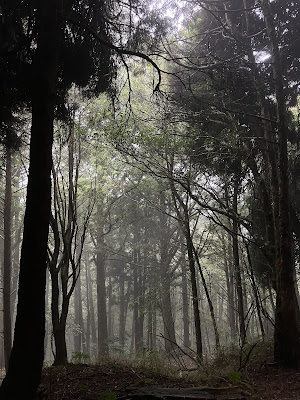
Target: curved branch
<point>119,50</point>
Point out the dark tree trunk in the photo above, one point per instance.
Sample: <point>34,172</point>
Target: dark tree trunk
<point>209,301</point>
<point>88,311</point>
<point>166,275</point>
<point>237,267</point>
<point>185,307</point>
<point>16,254</point>
<point>255,293</point>
<point>183,217</point>
<point>59,319</point>
<point>230,287</point>
<point>7,264</point>
<point>141,289</point>
<point>195,301</point>
<point>59,323</point>
<point>167,314</point>
<point>26,360</point>
<point>91,307</point>
<point>110,317</point>
<point>286,339</point>
<point>61,353</point>
<point>89,296</point>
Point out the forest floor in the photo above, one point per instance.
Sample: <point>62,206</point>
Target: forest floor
<point>117,380</point>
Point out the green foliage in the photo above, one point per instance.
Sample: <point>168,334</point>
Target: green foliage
<point>108,395</point>
<point>78,357</point>
<point>234,377</point>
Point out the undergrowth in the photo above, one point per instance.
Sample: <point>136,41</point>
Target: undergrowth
<point>231,365</point>
<point>234,364</point>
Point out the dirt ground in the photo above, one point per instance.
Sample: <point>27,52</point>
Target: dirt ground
<point>112,381</point>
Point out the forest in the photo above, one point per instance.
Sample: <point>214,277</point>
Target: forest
<point>149,181</point>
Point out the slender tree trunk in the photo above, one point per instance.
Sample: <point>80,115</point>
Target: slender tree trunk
<point>110,317</point>
<point>210,304</point>
<point>167,314</point>
<point>141,288</point>
<point>255,293</point>
<point>122,323</point>
<point>137,309</point>
<point>195,301</point>
<point>185,307</point>
<point>26,360</point>
<point>7,264</point>
<point>59,328</point>
<point>150,328</point>
<point>79,342</point>
<point>230,288</point>
<point>88,307</point>
<point>91,303</point>
<point>101,307</point>
<point>183,217</point>
<point>237,267</point>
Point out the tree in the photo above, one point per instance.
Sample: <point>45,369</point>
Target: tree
<point>287,340</point>
<point>240,42</point>
<point>7,262</point>
<point>28,343</point>
<point>69,223</point>
<point>58,38</point>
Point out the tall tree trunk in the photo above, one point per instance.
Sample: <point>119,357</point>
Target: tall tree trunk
<point>183,217</point>
<point>167,314</point>
<point>229,285</point>
<point>137,308</point>
<point>286,336</point>
<point>237,266</point>
<point>210,304</point>
<point>59,321</point>
<point>7,264</point>
<point>122,323</point>
<point>110,316</point>
<point>16,252</point>
<point>255,293</point>
<point>91,307</point>
<point>79,342</point>
<point>185,307</point>
<point>26,360</point>
<point>101,307</point>
<point>195,301</point>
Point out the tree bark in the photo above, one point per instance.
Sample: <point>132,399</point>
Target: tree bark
<point>122,323</point>
<point>237,267</point>
<point>209,301</point>
<point>79,336</point>
<point>286,336</point>
<point>138,316</point>
<point>91,307</point>
<point>101,307</point>
<point>195,301</point>
<point>185,307</point>
<point>229,285</point>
